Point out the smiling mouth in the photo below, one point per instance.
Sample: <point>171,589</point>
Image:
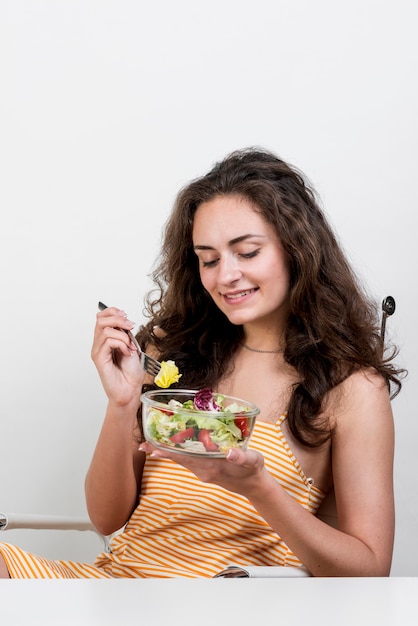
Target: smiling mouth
<point>240,294</point>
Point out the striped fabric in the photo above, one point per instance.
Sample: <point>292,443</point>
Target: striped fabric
<point>186,528</point>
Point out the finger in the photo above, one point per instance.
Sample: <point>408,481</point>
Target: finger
<point>148,448</point>
<point>110,343</point>
<point>115,318</point>
<point>245,458</point>
<point>118,338</point>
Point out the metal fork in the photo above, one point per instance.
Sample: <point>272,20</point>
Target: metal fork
<point>148,363</point>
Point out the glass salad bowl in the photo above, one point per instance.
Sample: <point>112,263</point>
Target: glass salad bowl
<point>201,422</point>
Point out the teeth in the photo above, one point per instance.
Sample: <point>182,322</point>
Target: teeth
<point>238,295</point>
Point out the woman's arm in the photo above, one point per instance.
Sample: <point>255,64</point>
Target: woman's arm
<point>362,465</point>
<point>113,479</point>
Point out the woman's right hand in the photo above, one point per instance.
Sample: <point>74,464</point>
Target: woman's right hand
<point>116,357</point>
<point>114,476</point>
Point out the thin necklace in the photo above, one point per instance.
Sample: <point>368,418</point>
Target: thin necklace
<point>262,351</point>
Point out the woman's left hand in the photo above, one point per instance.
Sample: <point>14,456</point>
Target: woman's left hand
<point>240,471</point>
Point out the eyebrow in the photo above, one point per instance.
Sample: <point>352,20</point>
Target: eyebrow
<point>232,242</point>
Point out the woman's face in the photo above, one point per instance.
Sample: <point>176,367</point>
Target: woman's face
<point>241,261</point>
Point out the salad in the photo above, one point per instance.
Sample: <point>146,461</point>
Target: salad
<point>202,424</point>
<point>168,374</point>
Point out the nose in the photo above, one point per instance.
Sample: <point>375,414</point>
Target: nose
<point>229,270</point>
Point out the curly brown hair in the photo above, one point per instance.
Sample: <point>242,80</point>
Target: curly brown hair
<point>333,326</point>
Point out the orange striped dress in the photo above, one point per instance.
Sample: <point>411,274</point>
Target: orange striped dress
<point>186,528</point>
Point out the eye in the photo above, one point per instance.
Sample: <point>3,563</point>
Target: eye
<point>250,255</point>
<point>209,263</point>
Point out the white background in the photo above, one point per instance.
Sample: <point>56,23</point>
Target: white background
<point>107,107</point>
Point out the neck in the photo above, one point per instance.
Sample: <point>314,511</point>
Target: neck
<point>273,351</point>
<point>264,337</point>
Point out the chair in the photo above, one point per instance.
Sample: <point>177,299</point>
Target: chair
<point>12,521</point>
<point>327,513</point>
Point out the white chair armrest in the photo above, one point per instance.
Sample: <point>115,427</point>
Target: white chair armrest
<point>11,521</point>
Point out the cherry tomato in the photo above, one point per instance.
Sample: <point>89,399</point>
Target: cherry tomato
<point>182,435</point>
<point>242,424</point>
<point>204,437</point>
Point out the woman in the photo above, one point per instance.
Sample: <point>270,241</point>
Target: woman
<point>255,299</point>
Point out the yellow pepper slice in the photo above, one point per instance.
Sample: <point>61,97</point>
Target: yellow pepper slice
<point>168,374</point>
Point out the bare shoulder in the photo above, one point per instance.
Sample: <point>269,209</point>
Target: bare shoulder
<point>150,348</point>
<point>159,332</point>
<point>363,383</point>
<point>361,399</point>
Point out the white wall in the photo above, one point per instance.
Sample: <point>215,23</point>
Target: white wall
<point>107,107</point>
